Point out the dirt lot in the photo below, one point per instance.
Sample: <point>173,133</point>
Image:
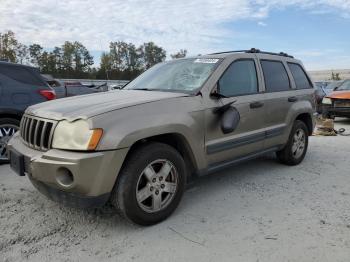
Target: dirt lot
<point>258,211</point>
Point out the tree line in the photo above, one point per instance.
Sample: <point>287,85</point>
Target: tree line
<point>123,61</point>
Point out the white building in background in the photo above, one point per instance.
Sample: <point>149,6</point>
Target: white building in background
<point>324,75</point>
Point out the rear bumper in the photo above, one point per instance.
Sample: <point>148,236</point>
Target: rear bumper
<point>91,175</point>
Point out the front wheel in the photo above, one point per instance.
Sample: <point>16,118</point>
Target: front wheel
<point>295,150</point>
<point>151,184</point>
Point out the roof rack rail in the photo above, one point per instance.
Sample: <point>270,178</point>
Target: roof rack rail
<point>254,51</point>
<point>227,52</point>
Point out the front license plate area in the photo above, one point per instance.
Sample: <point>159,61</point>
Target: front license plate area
<point>17,162</point>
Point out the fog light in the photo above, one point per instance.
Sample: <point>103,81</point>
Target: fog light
<point>64,177</point>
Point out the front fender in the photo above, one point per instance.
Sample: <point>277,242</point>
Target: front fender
<point>127,126</point>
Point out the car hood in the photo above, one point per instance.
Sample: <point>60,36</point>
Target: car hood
<point>339,95</point>
<point>87,106</point>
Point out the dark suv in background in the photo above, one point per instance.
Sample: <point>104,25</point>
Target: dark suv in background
<point>20,86</point>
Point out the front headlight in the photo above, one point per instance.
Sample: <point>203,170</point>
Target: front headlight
<point>76,136</point>
<point>326,101</point>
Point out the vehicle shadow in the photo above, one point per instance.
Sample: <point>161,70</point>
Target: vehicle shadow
<point>228,180</point>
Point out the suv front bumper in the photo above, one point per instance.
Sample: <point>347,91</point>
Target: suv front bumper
<point>79,179</point>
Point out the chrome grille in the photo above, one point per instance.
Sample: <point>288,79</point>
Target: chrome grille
<point>342,103</point>
<point>37,132</point>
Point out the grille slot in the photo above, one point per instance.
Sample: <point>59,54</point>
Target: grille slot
<point>342,103</point>
<point>37,132</point>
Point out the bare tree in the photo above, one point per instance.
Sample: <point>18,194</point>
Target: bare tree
<point>181,54</point>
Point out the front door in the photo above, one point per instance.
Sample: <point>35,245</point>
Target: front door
<point>240,86</point>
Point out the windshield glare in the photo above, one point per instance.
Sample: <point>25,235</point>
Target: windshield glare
<point>184,75</point>
<point>344,86</point>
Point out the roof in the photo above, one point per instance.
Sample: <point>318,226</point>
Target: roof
<point>14,64</point>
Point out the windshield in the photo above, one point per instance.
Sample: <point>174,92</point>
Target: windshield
<point>344,86</point>
<point>184,75</point>
<point>333,85</point>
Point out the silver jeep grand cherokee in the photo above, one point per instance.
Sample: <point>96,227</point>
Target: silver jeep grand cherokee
<point>138,146</point>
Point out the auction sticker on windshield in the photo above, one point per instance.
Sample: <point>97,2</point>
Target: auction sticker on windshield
<point>206,60</point>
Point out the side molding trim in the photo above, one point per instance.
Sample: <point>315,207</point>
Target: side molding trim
<point>215,148</point>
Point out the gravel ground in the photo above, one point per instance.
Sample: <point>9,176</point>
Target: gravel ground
<point>257,211</point>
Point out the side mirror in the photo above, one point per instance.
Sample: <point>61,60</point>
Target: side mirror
<point>229,120</point>
<point>216,92</point>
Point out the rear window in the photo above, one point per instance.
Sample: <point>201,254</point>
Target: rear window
<point>275,75</point>
<point>300,78</point>
<point>21,74</point>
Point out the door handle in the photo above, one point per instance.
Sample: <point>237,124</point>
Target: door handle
<point>256,105</point>
<point>292,99</point>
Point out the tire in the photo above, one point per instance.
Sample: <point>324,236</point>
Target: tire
<point>288,155</point>
<point>141,174</point>
<point>8,126</point>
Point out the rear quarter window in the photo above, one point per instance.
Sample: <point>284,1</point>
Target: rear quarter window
<point>275,75</point>
<point>21,74</point>
<point>300,77</point>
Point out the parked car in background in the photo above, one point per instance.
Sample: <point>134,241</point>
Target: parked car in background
<point>100,88</point>
<point>71,88</point>
<point>321,84</point>
<point>77,88</point>
<point>321,90</point>
<point>320,93</point>
<point>332,86</point>
<point>138,146</point>
<point>56,85</point>
<point>337,103</point>
<point>20,86</point>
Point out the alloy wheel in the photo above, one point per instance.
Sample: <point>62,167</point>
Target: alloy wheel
<point>299,141</point>
<point>6,132</point>
<point>157,186</point>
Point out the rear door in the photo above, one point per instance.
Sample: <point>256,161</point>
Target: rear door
<point>240,84</point>
<point>280,96</point>
<point>304,87</point>
<point>20,86</point>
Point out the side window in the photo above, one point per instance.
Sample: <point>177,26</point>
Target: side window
<point>239,79</point>
<point>21,74</point>
<point>276,77</point>
<point>300,78</point>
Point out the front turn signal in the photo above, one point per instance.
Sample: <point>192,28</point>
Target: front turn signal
<point>95,138</point>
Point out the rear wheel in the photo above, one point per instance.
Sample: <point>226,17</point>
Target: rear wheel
<point>151,184</point>
<point>8,127</point>
<point>294,152</point>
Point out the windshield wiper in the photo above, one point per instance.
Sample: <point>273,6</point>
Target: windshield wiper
<point>143,89</point>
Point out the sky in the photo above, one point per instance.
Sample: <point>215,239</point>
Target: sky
<point>315,31</point>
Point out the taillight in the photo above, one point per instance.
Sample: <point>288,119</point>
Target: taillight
<point>48,94</point>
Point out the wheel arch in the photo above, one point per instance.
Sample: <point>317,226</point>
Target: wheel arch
<point>307,119</point>
<point>175,140</point>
